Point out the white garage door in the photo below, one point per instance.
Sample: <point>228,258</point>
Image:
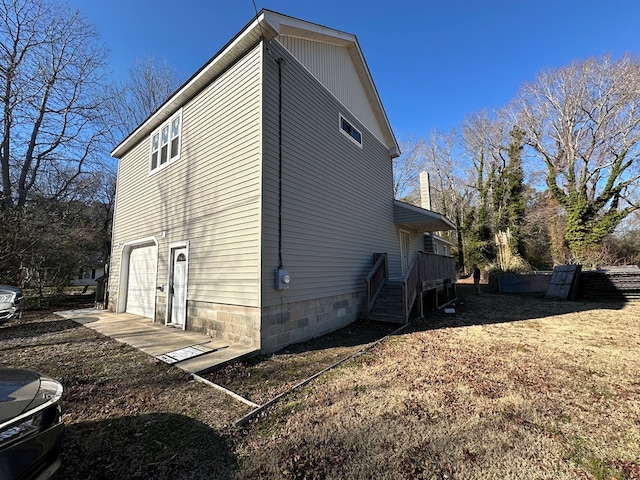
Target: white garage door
<point>141,286</point>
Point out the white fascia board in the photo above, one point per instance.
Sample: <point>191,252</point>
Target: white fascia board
<point>286,25</point>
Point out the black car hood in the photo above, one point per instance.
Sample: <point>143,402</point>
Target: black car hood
<point>22,390</point>
<point>9,289</point>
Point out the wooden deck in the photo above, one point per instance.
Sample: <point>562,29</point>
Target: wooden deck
<point>429,277</point>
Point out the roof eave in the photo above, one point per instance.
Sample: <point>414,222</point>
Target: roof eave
<point>249,36</point>
<point>265,26</point>
<point>420,219</point>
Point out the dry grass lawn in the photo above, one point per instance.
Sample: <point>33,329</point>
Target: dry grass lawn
<point>507,387</point>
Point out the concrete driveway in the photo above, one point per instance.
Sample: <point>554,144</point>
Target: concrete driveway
<point>190,351</point>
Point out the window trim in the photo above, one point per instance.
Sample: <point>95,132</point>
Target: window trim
<point>342,120</point>
<point>157,134</point>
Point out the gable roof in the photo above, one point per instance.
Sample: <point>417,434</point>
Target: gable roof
<point>266,25</point>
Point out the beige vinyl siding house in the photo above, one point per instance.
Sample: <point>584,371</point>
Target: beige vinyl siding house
<point>209,199</point>
<point>336,206</point>
<point>276,154</point>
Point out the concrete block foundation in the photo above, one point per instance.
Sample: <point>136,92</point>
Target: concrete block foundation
<point>270,328</point>
<point>296,322</point>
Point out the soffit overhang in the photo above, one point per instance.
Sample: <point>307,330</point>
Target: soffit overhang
<point>420,219</point>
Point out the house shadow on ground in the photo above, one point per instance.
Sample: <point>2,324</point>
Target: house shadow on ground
<point>468,309</point>
<point>491,308</point>
<point>151,446</point>
<point>358,334</point>
<point>31,326</point>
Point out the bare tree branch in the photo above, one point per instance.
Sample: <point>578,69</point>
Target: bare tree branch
<point>53,98</point>
<point>146,88</point>
<point>584,123</point>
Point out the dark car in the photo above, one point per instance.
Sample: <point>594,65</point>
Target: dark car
<point>30,425</point>
<point>10,302</point>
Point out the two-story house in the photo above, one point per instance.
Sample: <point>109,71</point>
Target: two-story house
<point>251,204</point>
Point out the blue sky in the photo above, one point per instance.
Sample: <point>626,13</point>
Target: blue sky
<point>433,62</point>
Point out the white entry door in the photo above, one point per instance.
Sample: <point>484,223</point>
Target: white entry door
<point>178,287</point>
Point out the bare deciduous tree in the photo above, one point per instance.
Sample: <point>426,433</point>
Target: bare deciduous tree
<point>406,170</point>
<point>53,119</point>
<point>443,165</point>
<point>583,121</point>
<point>146,88</point>
<point>482,139</point>
<point>450,194</point>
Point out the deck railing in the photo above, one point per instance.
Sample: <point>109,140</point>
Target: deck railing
<point>436,270</point>
<point>410,283</point>
<point>376,279</point>
<point>425,271</point>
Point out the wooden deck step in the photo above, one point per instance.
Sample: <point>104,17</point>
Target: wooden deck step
<point>388,306</point>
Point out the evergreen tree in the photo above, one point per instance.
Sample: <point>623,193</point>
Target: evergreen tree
<point>481,232</point>
<point>513,177</point>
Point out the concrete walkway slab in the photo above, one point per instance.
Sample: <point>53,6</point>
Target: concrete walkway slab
<point>160,340</point>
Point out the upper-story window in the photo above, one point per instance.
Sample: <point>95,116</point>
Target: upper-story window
<point>165,142</point>
<point>347,128</point>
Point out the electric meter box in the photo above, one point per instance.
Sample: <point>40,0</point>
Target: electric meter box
<point>282,279</point>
